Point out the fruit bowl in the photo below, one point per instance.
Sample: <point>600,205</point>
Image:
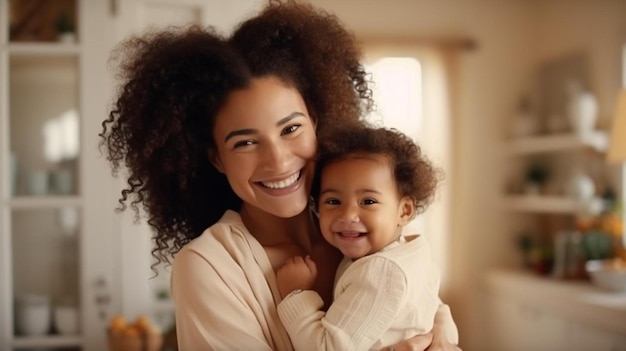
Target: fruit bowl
<point>609,274</point>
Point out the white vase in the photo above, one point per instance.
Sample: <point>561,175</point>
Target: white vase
<point>582,110</point>
<point>33,315</point>
<point>66,320</point>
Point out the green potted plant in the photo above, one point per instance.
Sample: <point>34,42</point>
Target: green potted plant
<point>65,28</point>
<point>535,178</point>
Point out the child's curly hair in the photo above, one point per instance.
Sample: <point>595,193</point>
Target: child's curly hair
<point>174,81</point>
<point>414,174</point>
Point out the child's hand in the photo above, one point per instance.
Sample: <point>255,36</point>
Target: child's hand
<point>297,273</point>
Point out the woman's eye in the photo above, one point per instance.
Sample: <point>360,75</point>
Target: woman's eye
<point>369,201</point>
<point>243,143</point>
<point>290,129</point>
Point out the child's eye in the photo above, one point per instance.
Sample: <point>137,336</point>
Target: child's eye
<point>332,202</point>
<point>290,129</point>
<point>369,201</point>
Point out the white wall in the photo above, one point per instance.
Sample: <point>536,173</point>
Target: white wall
<point>512,37</point>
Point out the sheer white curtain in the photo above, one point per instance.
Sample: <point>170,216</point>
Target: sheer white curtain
<point>411,91</point>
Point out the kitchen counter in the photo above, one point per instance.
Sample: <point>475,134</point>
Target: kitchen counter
<point>575,300</point>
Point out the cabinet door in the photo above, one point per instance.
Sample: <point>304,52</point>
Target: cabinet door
<point>585,337</point>
<point>57,266</point>
<point>521,326</point>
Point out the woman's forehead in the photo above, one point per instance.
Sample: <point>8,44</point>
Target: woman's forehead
<point>266,100</point>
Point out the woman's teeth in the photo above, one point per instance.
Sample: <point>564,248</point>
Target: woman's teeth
<point>283,183</point>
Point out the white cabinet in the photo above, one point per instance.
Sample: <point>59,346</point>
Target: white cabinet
<point>527,312</point>
<point>58,245</point>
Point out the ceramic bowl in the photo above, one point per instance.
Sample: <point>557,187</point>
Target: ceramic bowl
<point>608,274</point>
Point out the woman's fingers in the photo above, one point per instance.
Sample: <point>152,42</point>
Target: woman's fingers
<point>416,343</point>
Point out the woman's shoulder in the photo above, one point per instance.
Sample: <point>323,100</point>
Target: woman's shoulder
<point>225,233</point>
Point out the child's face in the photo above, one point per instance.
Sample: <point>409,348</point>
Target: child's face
<point>360,210</point>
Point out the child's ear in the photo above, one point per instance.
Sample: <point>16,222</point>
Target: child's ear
<point>215,160</point>
<point>407,210</point>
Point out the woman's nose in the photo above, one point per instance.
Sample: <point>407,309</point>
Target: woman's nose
<point>275,157</point>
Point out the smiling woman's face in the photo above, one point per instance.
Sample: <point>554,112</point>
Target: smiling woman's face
<point>266,145</point>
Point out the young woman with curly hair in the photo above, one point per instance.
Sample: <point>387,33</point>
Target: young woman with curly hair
<point>370,183</point>
<point>219,136</point>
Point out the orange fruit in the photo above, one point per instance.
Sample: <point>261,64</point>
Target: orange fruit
<point>143,323</point>
<point>117,323</point>
<point>132,331</point>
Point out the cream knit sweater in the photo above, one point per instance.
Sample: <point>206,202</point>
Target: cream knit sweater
<point>379,300</point>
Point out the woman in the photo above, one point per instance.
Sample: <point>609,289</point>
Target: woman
<point>221,133</point>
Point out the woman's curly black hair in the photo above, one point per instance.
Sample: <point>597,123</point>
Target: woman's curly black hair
<point>415,175</point>
<point>175,80</point>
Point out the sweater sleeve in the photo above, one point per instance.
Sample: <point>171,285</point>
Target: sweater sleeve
<point>209,314</point>
<point>370,298</point>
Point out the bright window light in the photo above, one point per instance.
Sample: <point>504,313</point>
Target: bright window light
<point>397,93</point>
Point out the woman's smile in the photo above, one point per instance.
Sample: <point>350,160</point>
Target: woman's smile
<point>284,183</point>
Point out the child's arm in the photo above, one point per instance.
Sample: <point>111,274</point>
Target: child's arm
<point>357,318</point>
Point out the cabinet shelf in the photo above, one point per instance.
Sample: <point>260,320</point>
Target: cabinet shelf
<point>597,140</point>
<point>26,203</point>
<point>43,49</point>
<point>23,342</point>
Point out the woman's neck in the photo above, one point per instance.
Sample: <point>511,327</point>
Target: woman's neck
<point>270,230</point>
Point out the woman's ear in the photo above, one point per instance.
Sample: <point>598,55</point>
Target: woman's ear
<point>215,160</point>
<point>407,210</point>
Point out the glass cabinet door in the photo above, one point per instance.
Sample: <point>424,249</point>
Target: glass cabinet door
<point>42,227</point>
<point>44,125</point>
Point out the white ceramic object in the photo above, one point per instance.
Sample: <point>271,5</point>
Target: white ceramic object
<point>38,182</point>
<point>582,109</point>
<point>582,187</point>
<point>33,315</point>
<point>607,277</point>
<point>62,181</point>
<point>66,320</point>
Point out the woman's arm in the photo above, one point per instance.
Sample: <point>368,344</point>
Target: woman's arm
<point>209,316</point>
<point>443,337</point>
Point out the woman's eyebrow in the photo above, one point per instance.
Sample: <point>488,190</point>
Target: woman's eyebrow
<point>248,131</point>
<point>289,118</point>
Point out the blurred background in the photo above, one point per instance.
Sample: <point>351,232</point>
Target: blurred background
<point>518,101</point>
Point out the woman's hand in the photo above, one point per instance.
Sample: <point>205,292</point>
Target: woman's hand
<point>297,273</point>
<point>427,342</point>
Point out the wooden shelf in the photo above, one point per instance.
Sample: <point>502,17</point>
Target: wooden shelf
<point>576,300</point>
<point>542,204</point>
<point>597,140</point>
